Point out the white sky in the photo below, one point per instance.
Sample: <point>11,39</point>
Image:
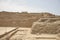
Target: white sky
<point>52,6</point>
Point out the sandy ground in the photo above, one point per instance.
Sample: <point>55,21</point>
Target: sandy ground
<point>24,34</point>
<point>5,29</point>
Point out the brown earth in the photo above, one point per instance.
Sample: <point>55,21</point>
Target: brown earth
<point>23,19</point>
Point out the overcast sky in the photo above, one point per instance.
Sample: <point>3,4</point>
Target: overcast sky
<point>52,6</point>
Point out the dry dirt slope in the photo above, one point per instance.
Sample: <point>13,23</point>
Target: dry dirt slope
<point>47,26</point>
<point>23,19</point>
